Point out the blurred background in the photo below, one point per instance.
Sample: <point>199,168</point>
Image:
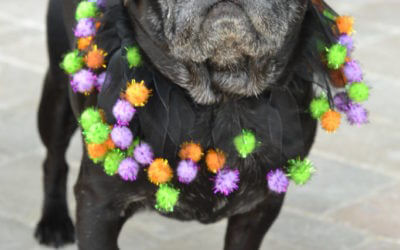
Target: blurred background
<point>353,201</point>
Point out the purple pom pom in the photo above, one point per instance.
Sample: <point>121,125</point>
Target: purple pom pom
<point>347,41</point>
<point>357,114</point>
<point>353,71</point>
<point>100,3</point>
<point>100,81</point>
<point>342,101</point>
<point>186,171</point>
<point>143,154</point>
<point>83,81</point>
<point>128,169</point>
<point>123,112</point>
<point>226,181</point>
<point>277,181</point>
<point>85,27</point>
<point>121,136</point>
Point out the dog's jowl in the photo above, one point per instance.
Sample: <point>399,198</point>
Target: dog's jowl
<point>195,109</point>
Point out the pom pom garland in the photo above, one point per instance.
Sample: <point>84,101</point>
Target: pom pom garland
<point>356,114</point>
<point>215,160</point>
<point>191,150</point>
<point>300,171</point>
<point>245,143</point>
<point>83,81</point>
<point>86,10</point>
<point>358,92</point>
<point>143,154</point>
<point>105,142</point>
<point>336,56</point>
<point>159,171</point>
<point>166,198</point>
<point>330,121</point>
<point>137,93</point>
<point>85,27</point>
<point>123,112</point>
<point>112,161</point>
<point>352,71</point>
<point>133,56</point>
<point>128,169</point>
<point>186,171</point>
<point>226,181</point>
<point>72,62</point>
<point>97,133</point>
<point>277,181</point>
<point>122,137</point>
<point>89,117</point>
<point>319,106</point>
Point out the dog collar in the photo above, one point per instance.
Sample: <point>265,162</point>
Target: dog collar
<point>121,153</point>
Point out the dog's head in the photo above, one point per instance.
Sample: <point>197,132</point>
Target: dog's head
<point>217,48</point>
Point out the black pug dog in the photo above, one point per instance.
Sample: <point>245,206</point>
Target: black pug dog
<point>216,67</point>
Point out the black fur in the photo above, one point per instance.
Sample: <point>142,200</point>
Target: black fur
<point>278,116</point>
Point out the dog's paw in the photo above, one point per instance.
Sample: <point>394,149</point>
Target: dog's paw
<point>55,229</point>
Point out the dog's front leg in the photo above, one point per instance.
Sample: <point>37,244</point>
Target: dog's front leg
<point>99,218</point>
<point>246,231</point>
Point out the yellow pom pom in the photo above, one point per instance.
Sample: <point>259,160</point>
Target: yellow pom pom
<point>215,160</point>
<point>159,171</point>
<point>345,24</point>
<point>137,93</point>
<point>330,121</point>
<point>191,150</point>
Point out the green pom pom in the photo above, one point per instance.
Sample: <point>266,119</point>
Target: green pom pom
<point>319,106</point>
<point>166,198</point>
<point>97,133</point>
<point>300,171</point>
<point>86,10</point>
<point>89,117</point>
<point>72,62</point>
<point>112,161</point>
<point>133,56</point>
<point>358,92</point>
<point>245,143</point>
<point>336,56</point>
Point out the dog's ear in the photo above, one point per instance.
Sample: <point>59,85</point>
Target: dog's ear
<point>318,33</point>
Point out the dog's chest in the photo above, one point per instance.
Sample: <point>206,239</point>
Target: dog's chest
<point>216,127</point>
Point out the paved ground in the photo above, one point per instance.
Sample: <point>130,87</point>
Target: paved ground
<point>352,203</point>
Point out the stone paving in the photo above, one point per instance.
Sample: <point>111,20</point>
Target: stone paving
<point>352,202</point>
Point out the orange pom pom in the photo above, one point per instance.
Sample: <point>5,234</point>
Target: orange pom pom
<point>338,78</point>
<point>98,25</point>
<point>330,121</point>
<point>97,151</point>
<point>215,160</point>
<point>137,93</point>
<point>159,171</point>
<point>191,150</point>
<point>95,58</point>
<point>345,24</point>
<point>84,42</point>
<point>110,144</point>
